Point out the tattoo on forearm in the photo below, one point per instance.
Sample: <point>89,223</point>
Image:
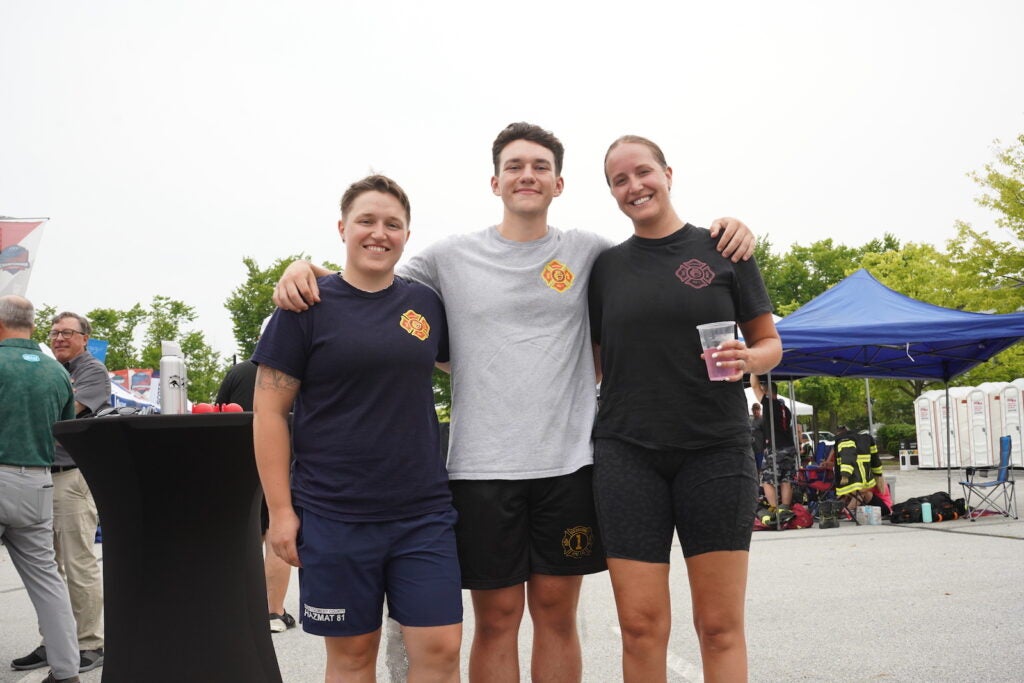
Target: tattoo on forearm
<point>275,380</point>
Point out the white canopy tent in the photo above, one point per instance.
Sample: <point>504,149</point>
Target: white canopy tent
<point>797,407</point>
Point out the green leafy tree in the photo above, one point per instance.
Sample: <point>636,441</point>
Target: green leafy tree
<point>922,272</point>
<point>41,333</point>
<point>768,263</point>
<point>252,301</point>
<point>205,367</point>
<point>118,328</point>
<point>165,319</point>
<point>836,400</point>
<point>804,272</point>
<point>443,395</point>
<point>890,401</point>
<point>997,261</point>
<point>164,323</point>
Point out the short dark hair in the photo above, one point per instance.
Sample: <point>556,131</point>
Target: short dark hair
<point>659,156</point>
<point>83,322</point>
<point>376,183</point>
<point>531,133</point>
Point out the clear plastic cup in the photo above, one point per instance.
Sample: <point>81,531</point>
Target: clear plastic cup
<point>711,337</point>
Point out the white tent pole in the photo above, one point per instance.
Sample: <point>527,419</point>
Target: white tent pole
<point>949,454</point>
<point>775,453</point>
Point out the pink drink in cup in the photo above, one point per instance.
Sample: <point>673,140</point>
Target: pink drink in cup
<point>711,336</point>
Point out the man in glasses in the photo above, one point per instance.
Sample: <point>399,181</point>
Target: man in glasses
<point>74,511</point>
<point>35,392</point>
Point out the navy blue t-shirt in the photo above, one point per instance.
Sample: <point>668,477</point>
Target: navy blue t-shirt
<point>364,433</point>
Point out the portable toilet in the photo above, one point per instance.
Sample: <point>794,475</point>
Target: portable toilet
<point>978,442</point>
<point>994,397</point>
<point>952,427</point>
<point>928,429</point>
<point>1012,413</point>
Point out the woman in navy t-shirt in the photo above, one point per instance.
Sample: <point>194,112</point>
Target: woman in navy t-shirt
<point>366,513</point>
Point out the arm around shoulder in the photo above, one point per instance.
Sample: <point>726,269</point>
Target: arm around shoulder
<point>297,289</point>
<point>737,241</point>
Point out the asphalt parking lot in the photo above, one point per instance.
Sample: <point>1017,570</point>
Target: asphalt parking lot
<point>921,602</point>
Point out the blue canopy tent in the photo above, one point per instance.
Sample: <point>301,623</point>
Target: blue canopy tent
<point>861,328</point>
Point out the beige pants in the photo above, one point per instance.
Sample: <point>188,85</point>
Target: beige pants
<point>74,538</point>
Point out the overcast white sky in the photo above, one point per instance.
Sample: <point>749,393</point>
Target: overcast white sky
<point>168,140</point>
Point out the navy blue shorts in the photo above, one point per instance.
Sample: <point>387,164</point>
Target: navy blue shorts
<point>349,567</point>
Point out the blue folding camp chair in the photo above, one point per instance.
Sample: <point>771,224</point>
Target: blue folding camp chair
<point>994,495</point>
<point>821,452</point>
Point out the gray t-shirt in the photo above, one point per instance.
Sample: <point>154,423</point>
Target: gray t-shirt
<point>91,382</point>
<point>523,383</point>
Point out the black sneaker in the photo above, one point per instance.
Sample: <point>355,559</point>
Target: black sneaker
<point>91,659</point>
<point>52,679</point>
<point>33,660</point>
<point>785,514</point>
<point>281,622</point>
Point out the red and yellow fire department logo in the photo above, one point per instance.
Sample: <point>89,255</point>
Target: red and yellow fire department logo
<point>578,541</point>
<point>558,276</point>
<point>415,324</point>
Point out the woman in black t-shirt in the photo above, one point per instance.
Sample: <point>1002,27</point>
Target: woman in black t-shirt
<point>672,448</point>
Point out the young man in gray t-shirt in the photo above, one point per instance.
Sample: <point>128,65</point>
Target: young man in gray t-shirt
<point>523,404</point>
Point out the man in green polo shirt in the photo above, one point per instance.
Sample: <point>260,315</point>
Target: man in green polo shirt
<point>35,392</point>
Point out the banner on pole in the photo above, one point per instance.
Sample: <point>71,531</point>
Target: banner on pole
<point>19,246</point>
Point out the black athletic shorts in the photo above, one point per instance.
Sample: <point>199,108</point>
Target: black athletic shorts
<point>510,529</point>
<point>643,495</point>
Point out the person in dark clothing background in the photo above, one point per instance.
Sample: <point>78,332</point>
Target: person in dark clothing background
<point>758,438</point>
<point>238,386</point>
<point>780,461</point>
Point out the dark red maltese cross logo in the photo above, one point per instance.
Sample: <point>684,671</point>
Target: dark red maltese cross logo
<point>695,273</point>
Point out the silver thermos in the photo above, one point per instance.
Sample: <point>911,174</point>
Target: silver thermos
<point>173,379</point>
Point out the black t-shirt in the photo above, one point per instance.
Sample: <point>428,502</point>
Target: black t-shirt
<point>646,299</point>
<point>757,433</point>
<point>782,417</point>
<point>239,385</point>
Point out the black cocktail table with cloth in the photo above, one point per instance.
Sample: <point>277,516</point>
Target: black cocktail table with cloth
<point>184,590</point>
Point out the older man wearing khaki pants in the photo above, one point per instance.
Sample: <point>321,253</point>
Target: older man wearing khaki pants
<point>74,511</point>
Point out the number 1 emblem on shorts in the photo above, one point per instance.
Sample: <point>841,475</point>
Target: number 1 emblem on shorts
<point>578,541</point>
